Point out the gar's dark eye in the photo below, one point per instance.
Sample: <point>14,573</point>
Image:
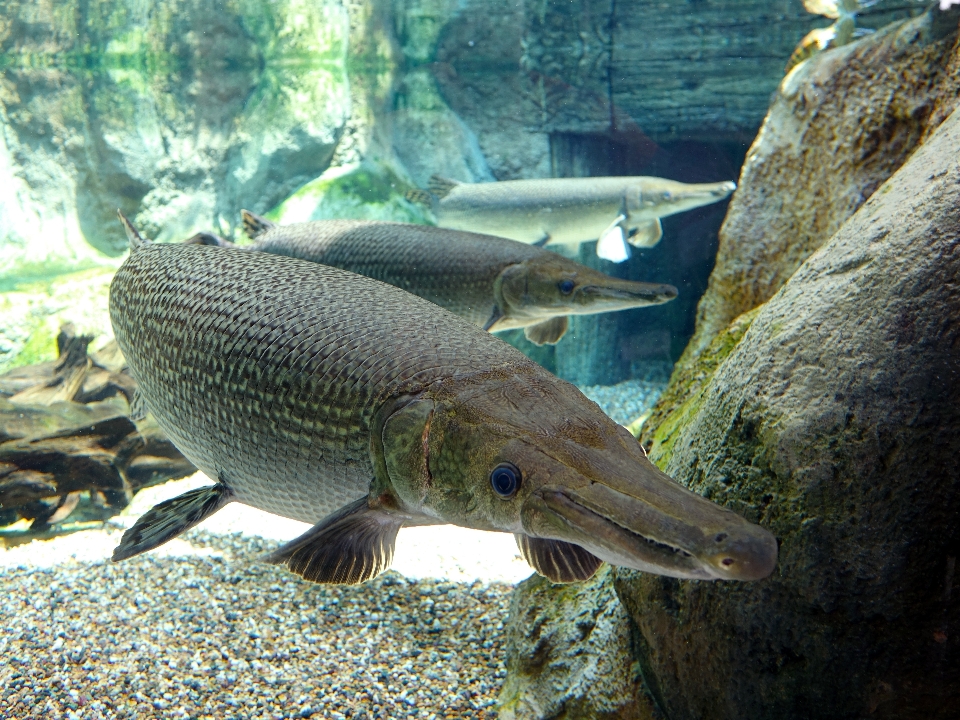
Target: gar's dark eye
<point>505,480</point>
<point>566,286</point>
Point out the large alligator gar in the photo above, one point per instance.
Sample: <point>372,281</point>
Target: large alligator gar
<point>614,210</point>
<point>493,282</point>
<point>331,398</point>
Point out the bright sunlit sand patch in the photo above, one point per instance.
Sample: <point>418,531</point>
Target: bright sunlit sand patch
<point>443,551</point>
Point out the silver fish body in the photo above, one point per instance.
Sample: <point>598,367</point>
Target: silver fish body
<point>570,210</point>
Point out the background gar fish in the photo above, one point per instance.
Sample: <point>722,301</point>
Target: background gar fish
<point>493,282</point>
<point>334,399</point>
<point>615,210</point>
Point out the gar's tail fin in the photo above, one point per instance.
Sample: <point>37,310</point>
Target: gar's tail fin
<point>137,241</point>
<point>254,225</point>
<point>420,197</point>
<point>441,186</point>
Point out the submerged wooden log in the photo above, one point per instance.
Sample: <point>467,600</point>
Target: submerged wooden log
<point>68,448</point>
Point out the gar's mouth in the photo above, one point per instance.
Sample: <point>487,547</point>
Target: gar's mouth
<point>612,541</point>
<point>655,294</point>
<point>691,538</point>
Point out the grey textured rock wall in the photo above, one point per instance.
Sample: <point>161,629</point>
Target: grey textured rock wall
<point>834,423</point>
<point>518,73</point>
<point>839,126</point>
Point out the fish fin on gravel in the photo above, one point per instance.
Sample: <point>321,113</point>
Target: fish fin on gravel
<point>138,406</point>
<point>556,560</point>
<point>165,521</point>
<point>547,332</point>
<point>441,186</point>
<point>350,546</point>
<point>648,235</point>
<point>208,238</point>
<point>136,240</point>
<point>254,225</point>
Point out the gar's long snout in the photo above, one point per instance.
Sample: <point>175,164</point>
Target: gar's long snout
<point>649,522</point>
<point>616,294</point>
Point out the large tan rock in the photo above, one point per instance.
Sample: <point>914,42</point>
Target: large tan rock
<point>839,126</point>
<point>835,422</point>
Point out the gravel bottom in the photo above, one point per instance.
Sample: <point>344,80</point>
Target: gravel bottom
<point>626,401</point>
<point>215,635</point>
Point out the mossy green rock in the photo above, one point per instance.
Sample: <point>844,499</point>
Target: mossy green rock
<point>177,112</point>
<point>835,423</point>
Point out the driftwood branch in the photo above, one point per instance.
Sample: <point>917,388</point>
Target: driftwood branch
<point>68,448</point>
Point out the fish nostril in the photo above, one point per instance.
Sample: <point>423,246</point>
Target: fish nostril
<point>727,562</point>
<point>720,538</point>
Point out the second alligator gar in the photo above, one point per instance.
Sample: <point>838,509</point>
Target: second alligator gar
<point>493,282</point>
<point>334,399</point>
<point>613,210</point>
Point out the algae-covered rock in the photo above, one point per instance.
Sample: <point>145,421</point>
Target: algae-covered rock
<point>834,422</point>
<point>568,654</point>
<point>840,124</point>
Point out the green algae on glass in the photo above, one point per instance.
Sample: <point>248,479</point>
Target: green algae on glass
<point>31,315</point>
<point>40,347</point>
<point>688,385</point>
<point>357,191</point>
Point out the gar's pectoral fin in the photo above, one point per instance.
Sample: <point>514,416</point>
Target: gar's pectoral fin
<point>646,235</point>
<point>547,332</point>
<point>556,560</point>
<point>611,244</point>
<point>542,241</point>
<point>171,518</point>
<point>350,546</point>
<point>494,318</point>
<point>254,225</point>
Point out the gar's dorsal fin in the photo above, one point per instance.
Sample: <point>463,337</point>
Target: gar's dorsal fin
<point>441,186</point>
<point>165,521</point>
<point>547,332</point>
<point>255,225</point>
<point>556,560</point>
<point>136,240</point>
<point>348,547</point>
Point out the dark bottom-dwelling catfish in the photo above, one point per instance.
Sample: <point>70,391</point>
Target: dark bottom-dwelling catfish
<point>493,282</point>
<point>331,398</point>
